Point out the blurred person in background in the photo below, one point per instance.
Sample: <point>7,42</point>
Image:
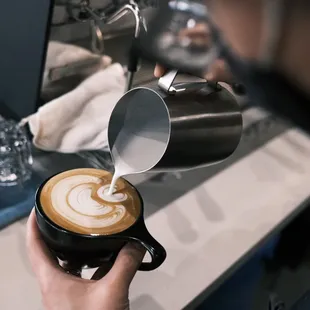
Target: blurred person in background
<point>265,45</point>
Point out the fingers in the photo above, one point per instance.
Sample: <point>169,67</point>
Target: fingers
<point>42,261</point>
<point>102,271</point>
<point>219,72</point>
<point>126,265</point>
<point>159,71</point>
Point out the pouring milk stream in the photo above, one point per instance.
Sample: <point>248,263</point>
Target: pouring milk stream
<point>138,134</point>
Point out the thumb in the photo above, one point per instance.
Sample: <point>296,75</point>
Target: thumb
<point>126,265</point>
<point>42,261</point>
<point>159,71</point>
<point>219,72</point>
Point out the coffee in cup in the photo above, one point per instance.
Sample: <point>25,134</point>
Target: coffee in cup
<point>78,200</point>
<point>85,227</point>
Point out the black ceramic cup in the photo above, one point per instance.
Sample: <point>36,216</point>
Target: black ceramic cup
<point>90,251</point>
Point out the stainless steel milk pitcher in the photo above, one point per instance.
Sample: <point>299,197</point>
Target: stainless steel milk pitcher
<point>174,126</point>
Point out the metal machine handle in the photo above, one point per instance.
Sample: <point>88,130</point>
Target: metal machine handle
<point>97,39</point>
<point>83,12</point>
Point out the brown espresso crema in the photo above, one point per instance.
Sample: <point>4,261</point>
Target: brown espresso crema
<point>78,201</point>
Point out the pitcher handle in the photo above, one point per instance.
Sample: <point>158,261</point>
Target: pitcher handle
<point>165,83</point>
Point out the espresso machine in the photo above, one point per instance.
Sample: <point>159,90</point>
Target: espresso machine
<point>25,28</point>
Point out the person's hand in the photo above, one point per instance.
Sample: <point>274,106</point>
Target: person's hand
<point>61,291</point>
<point>219,72</point>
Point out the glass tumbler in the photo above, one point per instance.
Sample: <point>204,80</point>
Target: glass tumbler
<point>15,154</point>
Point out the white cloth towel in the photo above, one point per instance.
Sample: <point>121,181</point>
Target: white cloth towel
<point>67,56</point>
<point>79,119</point>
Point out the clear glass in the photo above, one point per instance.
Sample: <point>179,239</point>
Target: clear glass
<point>15,154</point>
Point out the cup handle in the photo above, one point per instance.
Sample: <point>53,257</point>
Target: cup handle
<point>156,250</point>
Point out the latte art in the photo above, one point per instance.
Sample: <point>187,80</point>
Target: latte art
<point>78,200</point>
<point>103,192</point>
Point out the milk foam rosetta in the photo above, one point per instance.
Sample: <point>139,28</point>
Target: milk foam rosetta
<point>78,200</point>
